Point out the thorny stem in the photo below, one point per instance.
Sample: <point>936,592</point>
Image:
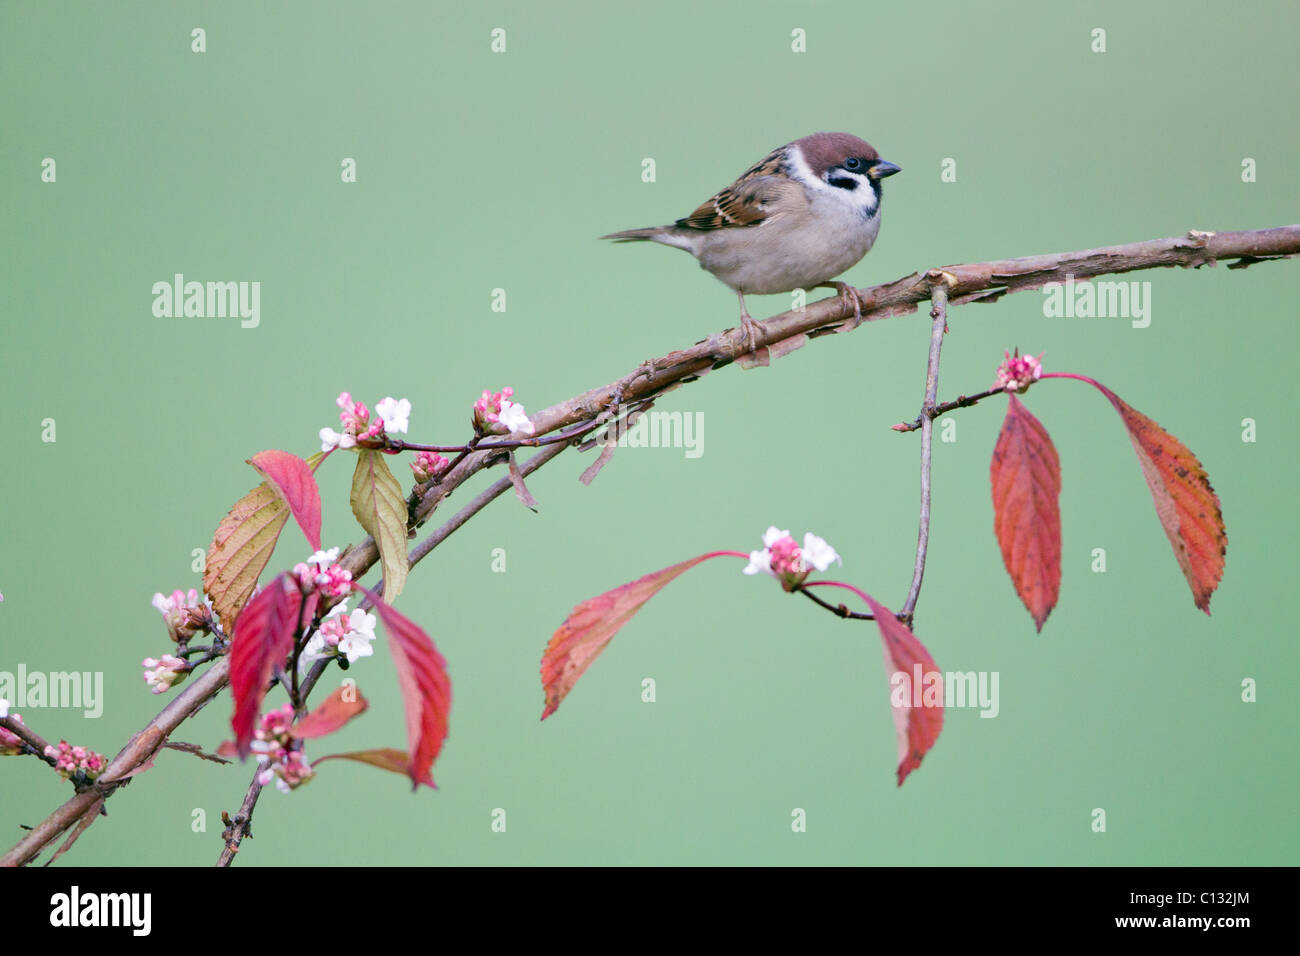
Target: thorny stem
<point>977,282</point>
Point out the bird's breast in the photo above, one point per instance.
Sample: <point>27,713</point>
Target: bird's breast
<point>793,251</point>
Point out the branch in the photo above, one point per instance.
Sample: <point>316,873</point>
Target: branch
<point>979,282</point>
<point>35,742</point>
<point>137,753</point>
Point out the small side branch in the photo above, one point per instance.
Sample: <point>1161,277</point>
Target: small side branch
<point>961,401</point>
<point>938,326</point>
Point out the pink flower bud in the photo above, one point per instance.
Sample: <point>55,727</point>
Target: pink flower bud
<point>1017,372</point>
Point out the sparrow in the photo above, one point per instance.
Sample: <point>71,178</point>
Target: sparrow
<point>797,218</point>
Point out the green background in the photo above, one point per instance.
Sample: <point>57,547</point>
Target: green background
<point>479,171</point>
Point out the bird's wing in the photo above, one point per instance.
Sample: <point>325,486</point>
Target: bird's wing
<point>748,201</point>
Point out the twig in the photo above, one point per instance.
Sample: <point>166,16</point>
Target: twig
<point>961,401</point>
<point>484,498</point>
<point>939,325</point>
<point>31,738</point>
<point>839,610</point>
<point>398,444</point>
<point>242,823</point>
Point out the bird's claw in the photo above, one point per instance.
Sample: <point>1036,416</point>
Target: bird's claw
<point>752,330</point>
<point>848,296</point>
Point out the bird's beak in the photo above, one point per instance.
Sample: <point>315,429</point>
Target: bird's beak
<point>883,169</point>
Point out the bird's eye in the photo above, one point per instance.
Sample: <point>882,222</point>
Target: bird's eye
<point>853,164</point>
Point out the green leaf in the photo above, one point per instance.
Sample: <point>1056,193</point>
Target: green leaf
<point>379,506</point>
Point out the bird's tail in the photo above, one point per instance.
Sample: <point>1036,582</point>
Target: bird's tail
<point>636,235</point>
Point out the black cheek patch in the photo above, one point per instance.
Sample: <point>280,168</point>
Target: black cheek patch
<point>844,183</point>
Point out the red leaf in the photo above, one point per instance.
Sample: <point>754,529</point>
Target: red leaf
<point>426,689</point>
<point>331,714</point>
<point>1026,475</point>
<point>387,758</point>
<point>916,722</point>
<point>293,481</point>
<point>263,639</point>
<point>591,625</point>
<point>1185,501</point>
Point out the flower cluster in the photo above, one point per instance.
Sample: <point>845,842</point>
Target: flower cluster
<point>322,571</point>
<point>164,673</point>
<point>341,634</point>
<point>790,564</point>
<point>1017,372</point>
<point>393,418</point>
<point>184,614</point>
<point>274,746</point>
<point>69,760</point>
<point>496,414</point>
<point>428,465</point>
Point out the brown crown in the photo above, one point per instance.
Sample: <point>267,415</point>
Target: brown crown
<point>824,150</point>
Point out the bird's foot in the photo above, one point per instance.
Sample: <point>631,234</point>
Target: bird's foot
<point>752,331</point>
<point>849,296</point>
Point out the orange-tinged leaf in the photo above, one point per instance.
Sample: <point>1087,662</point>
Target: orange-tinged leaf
<point>380,508</point>
<point>426,688</point>
<point>263,639</point>
<point>385,758</point>
<point>1026,477</point>
<point>293,481</point>
<point>916,701</point>
<point>592,624</point>
<point>1185,501</point>
<point>241,549</point>
<point>242,546</point>
<point>331,713</point>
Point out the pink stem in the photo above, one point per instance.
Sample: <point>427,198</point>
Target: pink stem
<point>726,554</point>
<point>1077,378</point>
